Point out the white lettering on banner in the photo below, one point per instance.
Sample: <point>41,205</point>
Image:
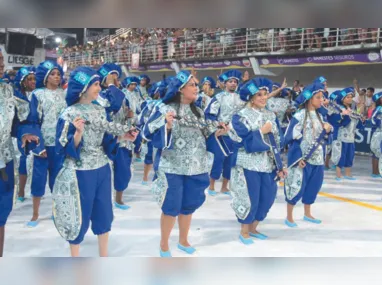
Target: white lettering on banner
<point>25,60</point>
<point>358,134</point>
<point>344,57</point>
<point>318,58</point>
<point>360,137</point>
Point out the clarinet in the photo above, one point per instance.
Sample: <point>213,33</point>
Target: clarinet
<point>338,110</point>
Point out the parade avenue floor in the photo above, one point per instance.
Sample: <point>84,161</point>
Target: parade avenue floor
<point>351,212</point>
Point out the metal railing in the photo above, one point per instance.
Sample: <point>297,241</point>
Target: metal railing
<point>228,43</point>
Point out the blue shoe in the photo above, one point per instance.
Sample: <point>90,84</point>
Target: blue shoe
<point>212,192</point>
<point>376,175</point>
<point>122,207</point>
<point>333,167</point>
<point>289,224</point>
<point>21,199</point>
<point>246,241</point>
<point>327,168</point>
<point>138,160</point>
<point>350,178</point>
<point>314,221</point>
<point>145,183</point>
<point>32,224</point>
<point>52,218</point>
<point>187,249</point>
<point>258,236</point>
<point>164,253</point>
<point>338,179</point>
<point>228,193</point>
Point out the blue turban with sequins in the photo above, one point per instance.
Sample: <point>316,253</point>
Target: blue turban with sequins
<point>158,87</point>
<point>210,80</point>
<point>248,90</point>
<point>344,92</point>
<point>308,92</point>
<point>23,73</point>
<point>129,80</point>
<point>109,68</point>
<point>177,83</point>
<point>334,95</point>
<point>263,83</point>
<point>144,76</point>
<point>79,82</point>
<point>44,69</point>
<point>320,79</point>
<point>230,74</point>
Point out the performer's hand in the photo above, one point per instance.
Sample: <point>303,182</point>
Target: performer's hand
<point>130,114</point>
<point>282,174</point>
<point>29,138</point>
<point>110,79</point>
<point>327,127</point>
<point>43,154</point>
<point>266,128</point>
<point>79,124</point>
<point>223,130</point>
<point>285,84</point>
<point>346,112</point>
<point>131,135</point>
<point>302,164</point>
<point>170,119</point>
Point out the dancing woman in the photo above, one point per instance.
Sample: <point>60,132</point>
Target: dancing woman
<point>7,123</point>
<point>254,168</point>
<point>85,140</point>
<point>177,129</point>
<point>346,133</point>
<point>376,139</point>
<point>25,84</point>
<point>46,104</point>
<point>306,134</point>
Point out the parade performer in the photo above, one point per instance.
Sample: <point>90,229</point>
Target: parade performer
<point>135,101</point>
<point>7,119</point>
<point>221,109</point>
<point>179,132</point>
<point>346,135</point>
<point>306,135</point>
<point>156,92</point>
<point>46,104</point>
<point>144,82</point>
<point>85,140</point>
<point>376,139</point>
<point>113,99</point>
<point>208,90</point>
<point>258,138</point>
<point>25,84</point>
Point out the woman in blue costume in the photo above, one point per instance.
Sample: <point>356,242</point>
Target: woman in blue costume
<point>113,99</point>
<point>134,100</point>
<point>7,131</point>
<point>25,84</point>
<point>178,130</point>
<point>85,139</point>
<point>156,92</point>
<point>46,104</point>
<point>253,174</point>
<point>208,89</point>
<point>376,139</point>
<point>306,164</point>
<point>348,125</point>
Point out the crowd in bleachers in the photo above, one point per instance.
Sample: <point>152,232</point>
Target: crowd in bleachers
<point>159,44</point>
